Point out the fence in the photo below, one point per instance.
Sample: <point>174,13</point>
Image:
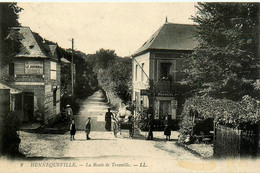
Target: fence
<point>229,142</point>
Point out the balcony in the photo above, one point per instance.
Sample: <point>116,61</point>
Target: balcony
<point>169,88</point>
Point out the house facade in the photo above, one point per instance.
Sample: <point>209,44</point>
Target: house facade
<point>35,70</point>
<point>157,67</point>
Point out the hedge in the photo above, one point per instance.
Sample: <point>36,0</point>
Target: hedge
<point>226,112</point>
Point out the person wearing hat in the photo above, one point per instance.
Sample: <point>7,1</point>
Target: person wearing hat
<point>88,128</point>
<point>69,112</point>
<point>108,119</point>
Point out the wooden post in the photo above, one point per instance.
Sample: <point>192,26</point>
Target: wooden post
<point>150,96</point>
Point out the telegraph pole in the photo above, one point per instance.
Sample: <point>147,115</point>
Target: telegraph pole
<point>72,68</point>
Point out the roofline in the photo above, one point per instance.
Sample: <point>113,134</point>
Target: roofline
<point>158,30</point>
<point>152,49</point>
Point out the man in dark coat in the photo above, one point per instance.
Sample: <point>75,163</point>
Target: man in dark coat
<point>150,127</point>
<point>88,128</point>
<point>108,120</point>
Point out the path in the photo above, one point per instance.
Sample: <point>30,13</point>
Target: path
<point>103,146</point>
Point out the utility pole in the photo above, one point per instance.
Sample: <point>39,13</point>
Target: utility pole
<point>72,68</point>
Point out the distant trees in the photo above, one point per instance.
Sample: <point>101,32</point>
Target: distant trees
<point>226,62</point>
<point>113,72</point>
<point>85,80</point>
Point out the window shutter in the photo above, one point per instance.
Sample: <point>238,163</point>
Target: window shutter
<point>174,108</point>
<point>173,70</point>
<point>156,110</point>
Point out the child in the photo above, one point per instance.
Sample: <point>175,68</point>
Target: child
<point>88,128</point>
<point>72,130</point>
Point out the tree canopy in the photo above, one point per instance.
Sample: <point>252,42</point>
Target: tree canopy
<point>8,18</point>
<point>226,62</point>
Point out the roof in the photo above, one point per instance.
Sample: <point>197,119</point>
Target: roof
<point>31,45</point>
<point>171,36</point>
<point>64,61</point>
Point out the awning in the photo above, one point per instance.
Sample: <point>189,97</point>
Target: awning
<point>12,89</point>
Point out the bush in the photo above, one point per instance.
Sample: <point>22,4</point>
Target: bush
<point>10,138</point>
<point>226,112</point>
<point>142,120</point>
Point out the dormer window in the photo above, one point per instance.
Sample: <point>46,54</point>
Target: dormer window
<point>32,46</point>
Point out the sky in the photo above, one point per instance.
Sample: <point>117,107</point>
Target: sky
<point>122,27</point>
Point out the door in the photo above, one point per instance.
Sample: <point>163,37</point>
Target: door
<point>28,106</point>
<point>164,109</point>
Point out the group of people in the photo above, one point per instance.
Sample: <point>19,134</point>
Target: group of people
<point>112,119</point>
<point>109,117</point>
<point>116,122</point>
<point>69,116</point>
<point>167,127</point>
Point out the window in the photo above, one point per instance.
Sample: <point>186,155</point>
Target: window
<point>142,74</point>
<point>136,72</point>
<point>11,69</point>
<point>165,71</point>
<point>54,96</point>
<point>53,70</point>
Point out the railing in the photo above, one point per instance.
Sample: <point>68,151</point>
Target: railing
<point>170,88</point>
<point>230,142</point>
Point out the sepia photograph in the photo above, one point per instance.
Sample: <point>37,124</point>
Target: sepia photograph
<point>121,86</point>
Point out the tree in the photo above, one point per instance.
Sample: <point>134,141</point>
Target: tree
<point>226,61</point>
<point>9,18</point>
<point>9,138</point>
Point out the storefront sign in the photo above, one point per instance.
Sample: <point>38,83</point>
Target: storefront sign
<point>165,94</point>
<point>33,67</point>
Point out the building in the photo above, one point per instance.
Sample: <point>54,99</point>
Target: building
<point>11,99</point>
<point>35,70</point>
<point>158,70</point>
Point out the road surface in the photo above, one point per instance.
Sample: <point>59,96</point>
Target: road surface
<point>104,147</point>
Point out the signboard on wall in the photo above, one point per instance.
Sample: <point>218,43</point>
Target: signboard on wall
<point>33,67</point>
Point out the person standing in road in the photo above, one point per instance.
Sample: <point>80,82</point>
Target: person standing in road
<point>72,130</point>
<point>69,112</point>
<point>88,128</point>
<point>167,128</point>
<point>131,126</point>
<point>150,127</point>
<point>108,120</point>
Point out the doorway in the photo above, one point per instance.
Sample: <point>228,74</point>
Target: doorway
<point>165,109</point>
<point>28,106</point>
